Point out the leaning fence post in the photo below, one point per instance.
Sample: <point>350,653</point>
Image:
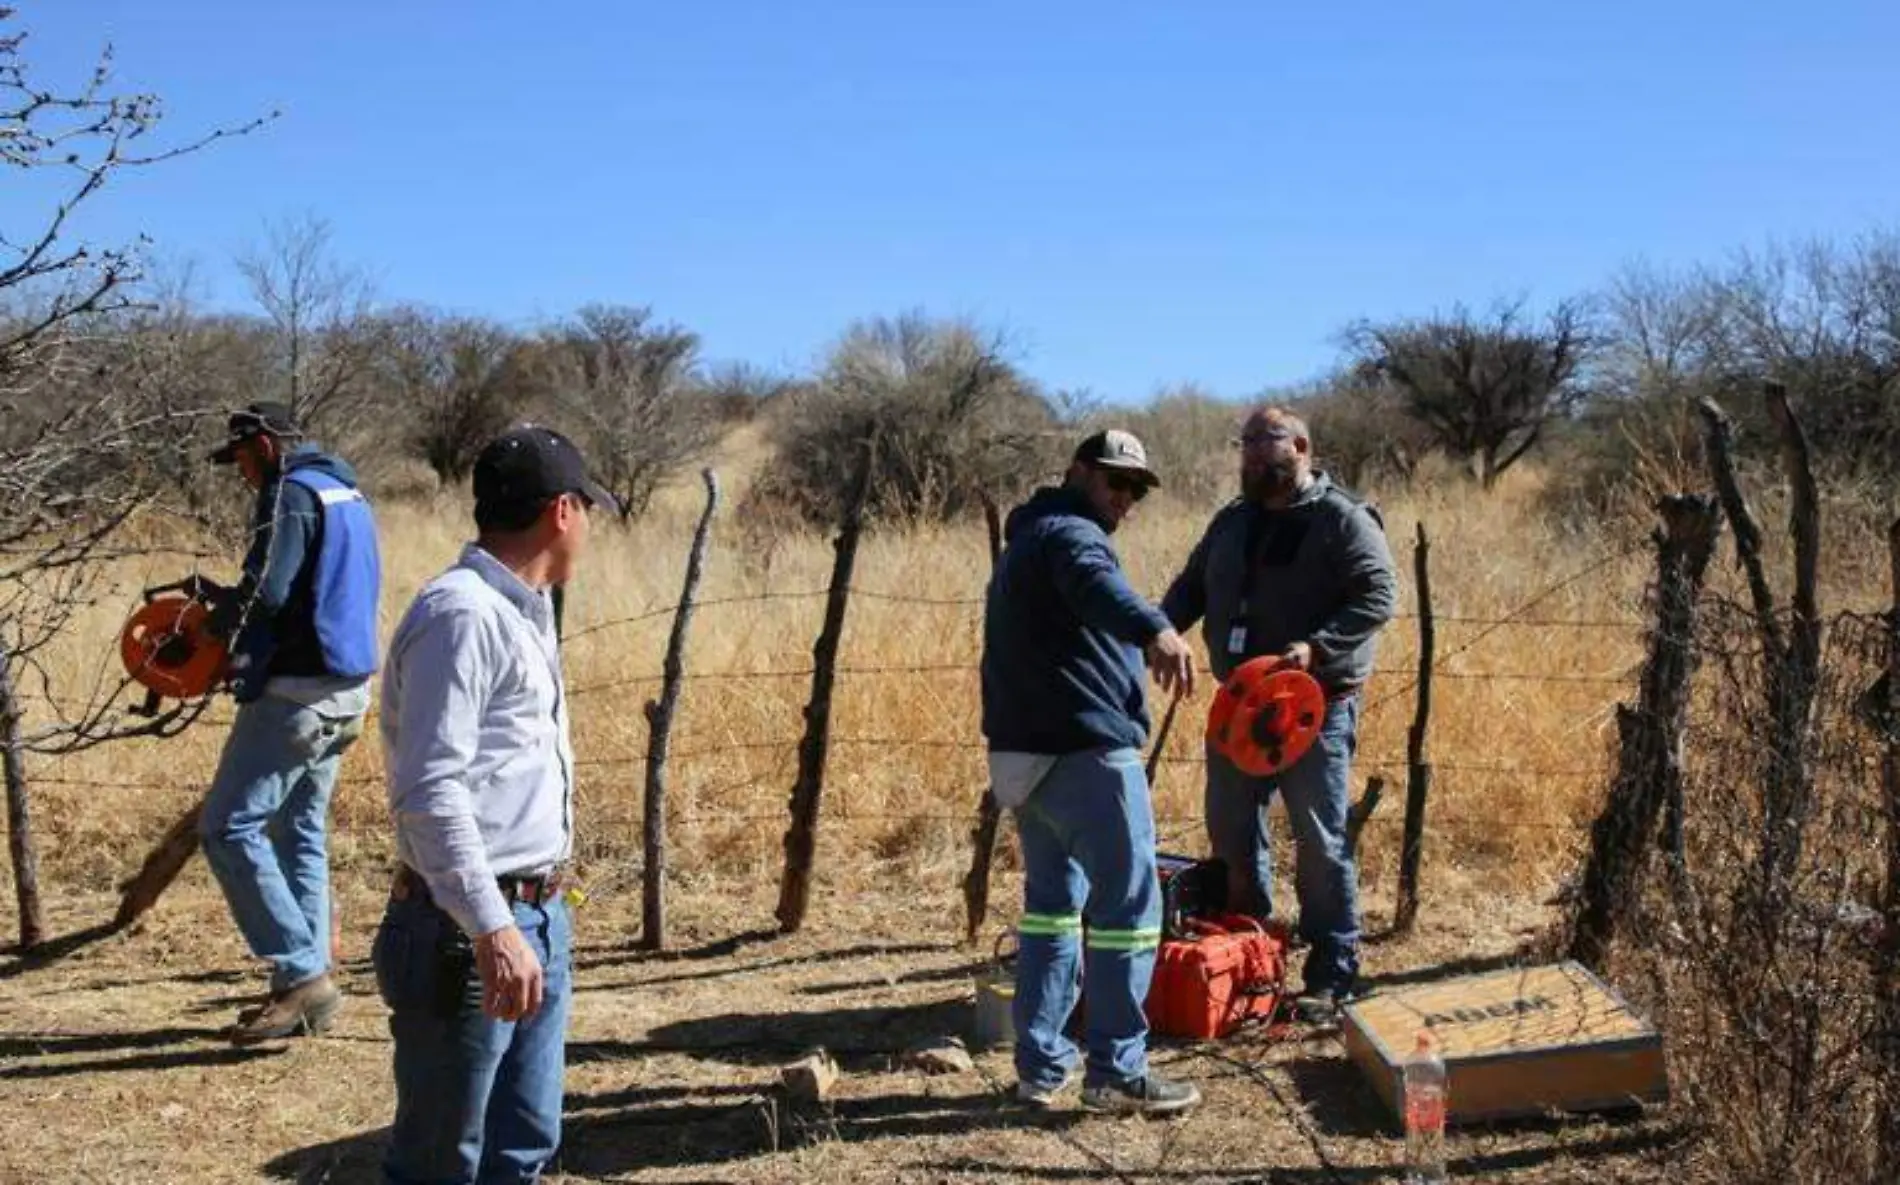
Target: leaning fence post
<point>26,861</point>
<point>1887,983</point>
<point>976,884</point>
<point>659,715</point>
<point>801,837</point>
<point>162,865</point>
<point>1649,763</point>
<point>1361,812</point>
<point>1418,771</point>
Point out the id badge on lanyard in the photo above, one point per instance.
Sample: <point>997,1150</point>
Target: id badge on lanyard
<point>1250,547</point>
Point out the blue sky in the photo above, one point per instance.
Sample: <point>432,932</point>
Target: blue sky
<point>1137,194</point>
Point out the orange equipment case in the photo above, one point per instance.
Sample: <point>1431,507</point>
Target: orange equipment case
<point>1223,971</point>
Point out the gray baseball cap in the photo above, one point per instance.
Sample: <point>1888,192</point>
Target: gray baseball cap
<point>1113,448</point>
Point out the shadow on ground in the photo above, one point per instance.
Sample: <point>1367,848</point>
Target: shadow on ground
<point>60,1055</point>
<point>1475,965</point>
<point>859,1037</point>
<point>54,949</point>
<point>960,974</point>
<point>613,1133</point>
<point>1480,1165</point>
<point>660,967</point>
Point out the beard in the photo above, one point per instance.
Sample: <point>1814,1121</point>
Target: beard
<point>1269,478</point>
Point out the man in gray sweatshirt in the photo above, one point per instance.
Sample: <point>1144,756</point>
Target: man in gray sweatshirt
<point>1295,567</point>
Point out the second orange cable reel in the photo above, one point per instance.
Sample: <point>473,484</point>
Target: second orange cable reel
<point>1265,716</point>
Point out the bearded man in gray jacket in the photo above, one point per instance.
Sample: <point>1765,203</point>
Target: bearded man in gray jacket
<point>1295,567</point>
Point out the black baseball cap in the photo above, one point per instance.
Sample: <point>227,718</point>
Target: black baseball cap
<point>527,466</point>
<point>257,419</point>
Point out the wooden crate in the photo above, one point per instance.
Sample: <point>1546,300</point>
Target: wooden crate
<point>1523,1041</point>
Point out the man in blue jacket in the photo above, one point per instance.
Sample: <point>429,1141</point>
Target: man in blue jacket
<point>1299,568</point>
<point>301,625</point>
<point>1065,711</point>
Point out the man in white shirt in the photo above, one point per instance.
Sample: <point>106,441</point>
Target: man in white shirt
<point>472,954</point>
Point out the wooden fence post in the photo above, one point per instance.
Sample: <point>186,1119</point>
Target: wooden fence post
<point>976,883</point>
<point>801,837</point>
<point>26,861</point>
<point>659,714</point>
<point>1418,771</point>
<point>1790,657</point>
<point>1887,977</point>
<point>1649,764</point>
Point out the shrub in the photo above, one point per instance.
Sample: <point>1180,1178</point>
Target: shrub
<point>952,420</point>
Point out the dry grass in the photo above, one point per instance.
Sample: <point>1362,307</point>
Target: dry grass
<point>1519,755</point>
<point>1521,733</point>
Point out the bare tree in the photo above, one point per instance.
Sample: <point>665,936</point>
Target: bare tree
<point>1486,387</point>
<point>74,457</point>
<point>1657,333</point>
<point>458,379</point>
<point>629,388</point>
<point>1821,318</point>
<point>318,310</point>
<point>170,358</point>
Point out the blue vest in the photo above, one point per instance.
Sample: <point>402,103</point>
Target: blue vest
<point>347,577</point>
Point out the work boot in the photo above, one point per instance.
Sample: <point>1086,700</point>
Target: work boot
<point>306,1008</point>
<point>1152,1095</point>
<point>1318,1007</point>
<point>1320,1003</point>
<point>1041,1098</point>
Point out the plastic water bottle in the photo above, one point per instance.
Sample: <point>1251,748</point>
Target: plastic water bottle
<point>1425,1099</point>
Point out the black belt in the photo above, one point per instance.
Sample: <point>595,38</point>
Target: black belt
<point>516,887</point>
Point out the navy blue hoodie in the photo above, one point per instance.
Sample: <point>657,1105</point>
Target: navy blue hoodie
<point>1063,635</point>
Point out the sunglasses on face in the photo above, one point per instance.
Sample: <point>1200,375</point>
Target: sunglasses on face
<point>1258,438</point>
<point>1122,483</point>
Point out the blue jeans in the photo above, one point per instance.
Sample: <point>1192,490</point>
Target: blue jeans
<point>1316,789</point>
<point>477,1100</point>
<point>265,827</point>
<point>1088,839</point>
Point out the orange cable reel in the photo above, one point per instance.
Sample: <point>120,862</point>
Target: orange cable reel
<point>1265,716</point>
<point>168,648</point>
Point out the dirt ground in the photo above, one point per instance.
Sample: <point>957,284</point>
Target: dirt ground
<point>112,1068</point>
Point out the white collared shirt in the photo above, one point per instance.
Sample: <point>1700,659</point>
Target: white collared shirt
<point>475,738</point>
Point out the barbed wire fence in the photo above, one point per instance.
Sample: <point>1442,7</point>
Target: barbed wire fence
<point>1758,776</point>
<point>1768,946</point>
<point>724,779</point>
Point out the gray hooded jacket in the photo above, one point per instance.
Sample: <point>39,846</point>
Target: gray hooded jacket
<point>1320,572</point>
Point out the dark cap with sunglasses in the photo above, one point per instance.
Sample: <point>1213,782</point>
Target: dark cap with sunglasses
<point>1116,450</point>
